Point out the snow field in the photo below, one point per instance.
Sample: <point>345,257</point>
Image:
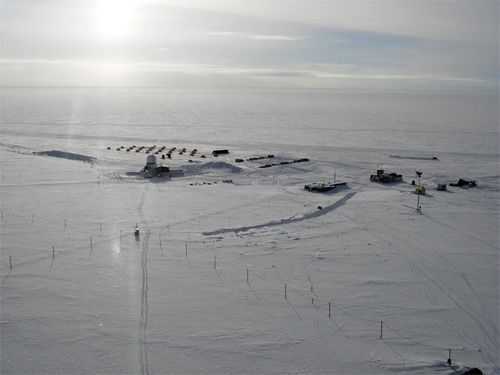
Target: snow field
<point>127,306</point>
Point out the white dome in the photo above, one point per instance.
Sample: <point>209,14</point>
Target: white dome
<point>151,160</point>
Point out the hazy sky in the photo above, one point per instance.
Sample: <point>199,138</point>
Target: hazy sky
<point>272,43</point>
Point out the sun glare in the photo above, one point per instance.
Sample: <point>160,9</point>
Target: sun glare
<point>114,18</point>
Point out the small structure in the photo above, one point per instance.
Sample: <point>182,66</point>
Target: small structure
<point>420,190</point>
<point>219,152</point>
<point>253,158</point>
<point>386,178</point>
<point>464,183</point>
<point>441,187</point>
<point>152,169</point>
<point>472,371</point>
<point>323,187</point>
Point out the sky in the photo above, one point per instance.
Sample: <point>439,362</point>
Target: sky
<point>440,45</point>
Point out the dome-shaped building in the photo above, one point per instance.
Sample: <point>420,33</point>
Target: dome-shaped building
<point>152,168</point>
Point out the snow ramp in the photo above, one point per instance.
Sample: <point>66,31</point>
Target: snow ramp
<point>293,219</point>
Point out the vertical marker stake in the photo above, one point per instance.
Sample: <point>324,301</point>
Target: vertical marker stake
<point>248,279</point>
<point>186,250</point>
<point>329,309</point>
<point>312,301</point>
<point>53,253</point>
<point>285,291</point>
<point>161,248</point>
<point>381,329</point>
<point>215,262</point>
<point>90,252</point>
<point>10,262</point>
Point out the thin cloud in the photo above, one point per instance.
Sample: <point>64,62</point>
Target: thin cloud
<point>400,77</point>
<point>236,34</point>
<point>381,44</point>
<point>91,73</point>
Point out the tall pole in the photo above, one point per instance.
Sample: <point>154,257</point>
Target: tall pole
<point>418,195</point>
<point>418,191</point>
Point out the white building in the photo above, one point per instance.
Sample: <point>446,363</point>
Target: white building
<point>152,168</point>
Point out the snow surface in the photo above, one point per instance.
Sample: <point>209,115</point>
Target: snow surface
<point>85,296</point>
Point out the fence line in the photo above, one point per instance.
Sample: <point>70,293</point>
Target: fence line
<point>318,300</point>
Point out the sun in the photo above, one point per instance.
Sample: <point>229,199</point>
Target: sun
<point>114,18</point>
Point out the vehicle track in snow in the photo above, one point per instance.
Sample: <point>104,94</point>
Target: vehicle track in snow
<point>462,232</point>
<point>143,323</point>
<point>475,311</point>
<point>426,267</point>
<point>277,174</point>
<point>142,200</point>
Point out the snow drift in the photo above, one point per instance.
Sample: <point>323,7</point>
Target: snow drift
<point>67,155</point>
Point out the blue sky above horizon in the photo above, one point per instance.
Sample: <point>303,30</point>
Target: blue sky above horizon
<point>440,45</point>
